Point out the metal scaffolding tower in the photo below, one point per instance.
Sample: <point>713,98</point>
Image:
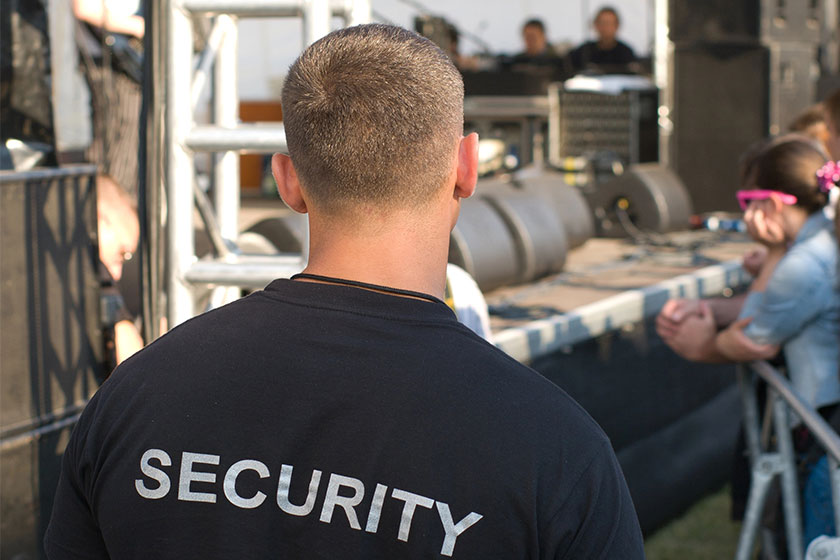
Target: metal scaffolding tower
<point>183,139</point>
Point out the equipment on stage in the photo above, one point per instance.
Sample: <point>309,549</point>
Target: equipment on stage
<point>720,108</point>
<point>742,20</point>
<point>537,231</point>
<point>624,123</point>
<point>482,245</point>
<point>645,198</point>
<point>741,70</point>
<point>566,200</point>
<point>26,110</point>
<point>50,335</point>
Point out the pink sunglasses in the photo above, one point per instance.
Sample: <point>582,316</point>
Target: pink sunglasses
<point>746,196</point>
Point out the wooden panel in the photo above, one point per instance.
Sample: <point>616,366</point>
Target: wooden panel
<point>251,165</point>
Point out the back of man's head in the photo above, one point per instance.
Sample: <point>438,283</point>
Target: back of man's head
<point>535,23</point>
<point>373,115</point>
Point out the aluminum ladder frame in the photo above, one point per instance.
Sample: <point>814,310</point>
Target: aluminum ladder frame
<point>226,136</point>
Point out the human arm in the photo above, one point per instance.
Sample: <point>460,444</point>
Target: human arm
<point>736,346</point>
<point>94,13</point>
<point>735,343</point>
<point>754,259</point>
<point>127,340</point>
<point>694,337</point>
<point>675,311</point>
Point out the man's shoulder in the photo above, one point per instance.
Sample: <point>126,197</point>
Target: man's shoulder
<point>623,46</point>
<point>586,46</point>
<point>496,373</point>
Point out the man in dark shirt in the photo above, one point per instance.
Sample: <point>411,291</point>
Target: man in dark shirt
<point>345,413</point>
<point>537,48</point>
<point>607,53</point>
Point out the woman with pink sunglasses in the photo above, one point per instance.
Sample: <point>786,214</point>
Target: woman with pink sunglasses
<point>793,304</point>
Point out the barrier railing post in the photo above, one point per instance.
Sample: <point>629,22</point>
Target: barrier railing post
<point>790,486</point>
<point>766,465</point>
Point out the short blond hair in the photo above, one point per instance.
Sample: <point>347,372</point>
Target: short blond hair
<point>372,115</point>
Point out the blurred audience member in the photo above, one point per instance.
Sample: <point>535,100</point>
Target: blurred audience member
<point>792,304</point>
<point>538,50</point>
<point>110,43</point>
<point>118,234</point>
<point>812,123</point>
<point>465,298</point>
<point>607,53</point>
<point>462,61</point>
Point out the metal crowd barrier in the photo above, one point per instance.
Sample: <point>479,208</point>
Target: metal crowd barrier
<point>768,462</point>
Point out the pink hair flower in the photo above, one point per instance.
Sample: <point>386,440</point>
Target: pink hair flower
<point>829,176</point>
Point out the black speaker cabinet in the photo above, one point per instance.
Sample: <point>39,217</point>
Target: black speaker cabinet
<point>50,339</point>
<point>721,103</point>
<point>739,20</point>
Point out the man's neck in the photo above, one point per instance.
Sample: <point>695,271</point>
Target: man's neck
<point>409,258</point>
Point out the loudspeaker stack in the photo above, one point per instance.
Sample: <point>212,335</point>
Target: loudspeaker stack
<point>742,69</point>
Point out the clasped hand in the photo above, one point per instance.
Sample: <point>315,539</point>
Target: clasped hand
<point>688,327</point>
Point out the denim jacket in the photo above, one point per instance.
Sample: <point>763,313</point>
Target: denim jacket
<point>800,310</point>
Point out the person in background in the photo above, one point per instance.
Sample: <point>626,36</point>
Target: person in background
<point>462,62</point>
<point>792,305</point>
<point>812,123</point>
<point>606,53</point>
<point>538,51</point>
<point>109,36</point>
<point>465,298</point>
<point>118,232</point>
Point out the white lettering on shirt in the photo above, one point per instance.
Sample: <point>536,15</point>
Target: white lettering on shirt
<point>453,530</point>
<point>348,503</point>
<point>411,502</point>
<point>155,474</point>
<point>230,483</point>
<point>332,499</point>
<point>283,492</point>
<point>376,508</point>
<point>188,476</point>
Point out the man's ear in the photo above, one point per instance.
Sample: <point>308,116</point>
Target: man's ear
<point>288,185</point>
<point>467,166</point>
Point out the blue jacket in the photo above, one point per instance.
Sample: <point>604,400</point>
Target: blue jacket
<point>800,310</point>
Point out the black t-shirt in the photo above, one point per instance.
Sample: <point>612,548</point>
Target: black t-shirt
<point>590,55</point>
<point>322,421</point>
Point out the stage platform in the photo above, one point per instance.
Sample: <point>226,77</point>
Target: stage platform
<point>609,284</point>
